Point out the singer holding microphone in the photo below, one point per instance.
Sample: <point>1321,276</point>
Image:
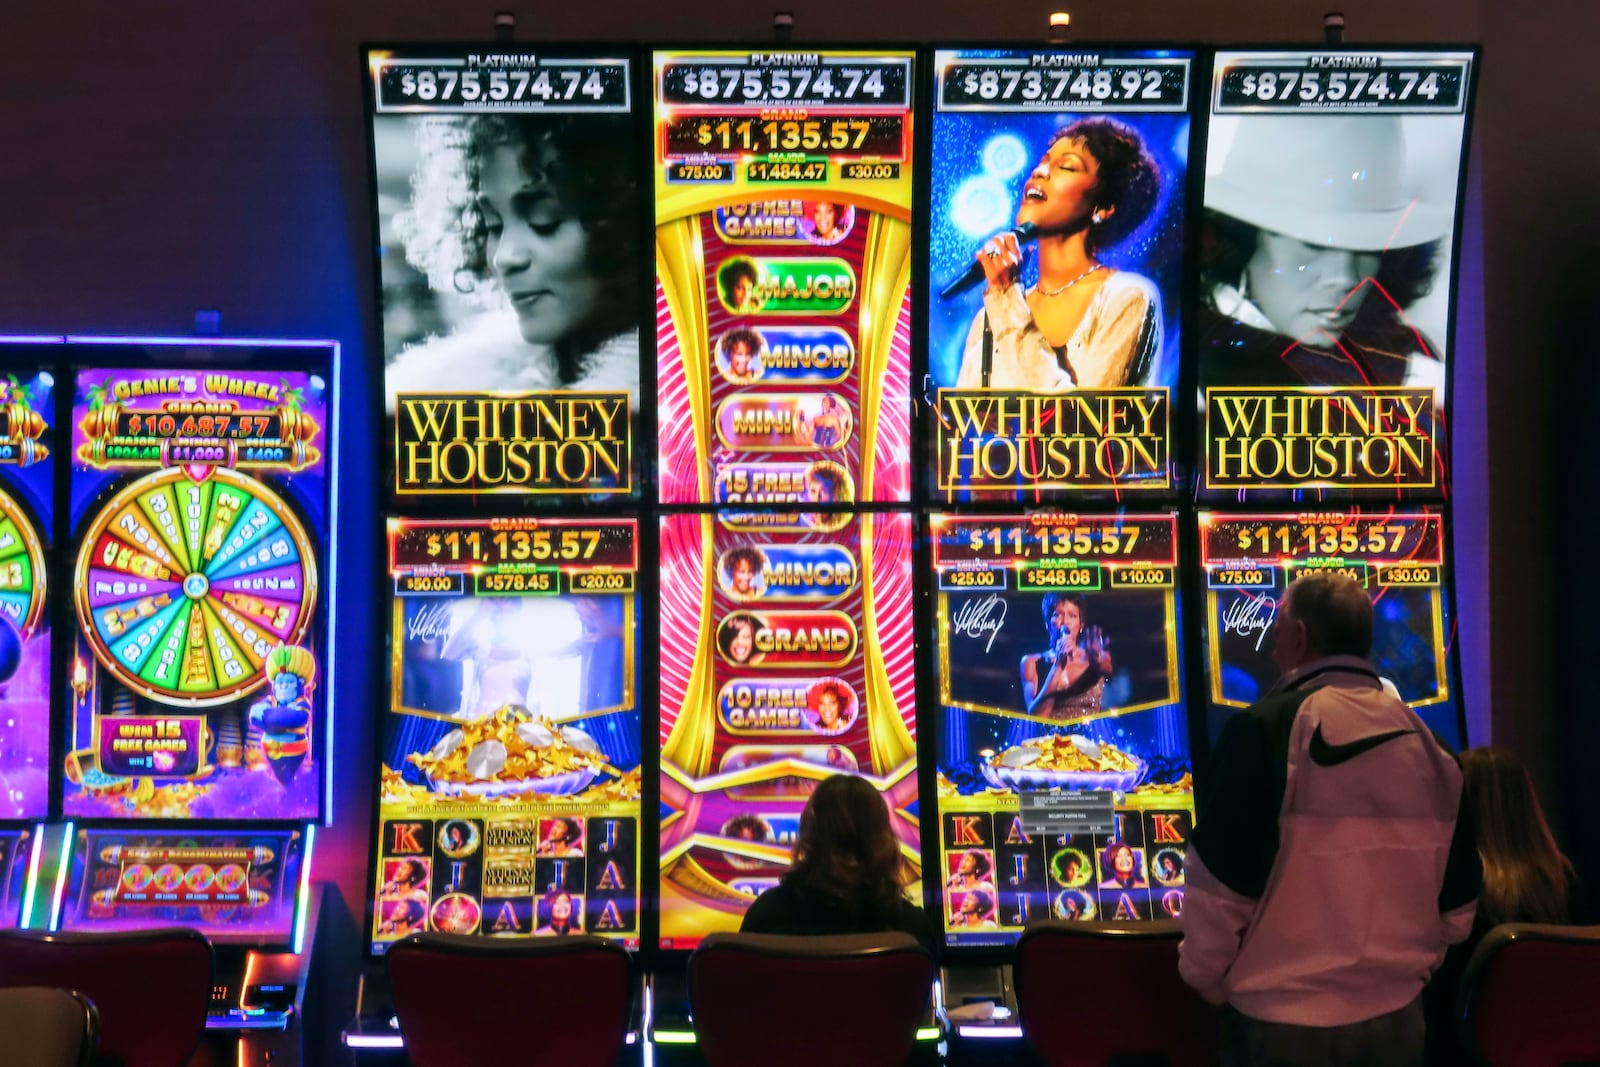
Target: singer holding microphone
<point>1069,680</point>
<point>1085,325</point>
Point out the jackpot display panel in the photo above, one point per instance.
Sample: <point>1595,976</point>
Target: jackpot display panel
<point>1055,357</point>
<point>200,519</point>
<point>510,796</point>
<point>235,886</point>
<point>1332,188</point>
<point>1064,784</point>
<point>507,206</point>
<point>1398,556</point>
<point>786,657</point>
<point>783,193</point>
<point>29,455</point>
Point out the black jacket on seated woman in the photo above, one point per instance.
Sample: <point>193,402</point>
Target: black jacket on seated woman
<point>846,877</point>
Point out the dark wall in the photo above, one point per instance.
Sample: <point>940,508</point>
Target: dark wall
<point>162,156</point>
<point>1540,162</point>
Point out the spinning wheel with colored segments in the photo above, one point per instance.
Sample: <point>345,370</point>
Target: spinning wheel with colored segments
<point>184,585</point>
<point>22,570</point>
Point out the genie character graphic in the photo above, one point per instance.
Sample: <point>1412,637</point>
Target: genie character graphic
<point>284,718</point>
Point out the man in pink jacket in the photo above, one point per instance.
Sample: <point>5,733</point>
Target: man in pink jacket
<point>1330,865</point>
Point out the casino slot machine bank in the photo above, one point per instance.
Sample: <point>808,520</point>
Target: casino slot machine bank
<point>196,527</point>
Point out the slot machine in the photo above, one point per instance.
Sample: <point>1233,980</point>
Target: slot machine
<point>783,235</point>
<point>200,533</point>
<point>1323,327</point>
<point>1051,565</point>
<point>511,780</point>
<point>29,460</point>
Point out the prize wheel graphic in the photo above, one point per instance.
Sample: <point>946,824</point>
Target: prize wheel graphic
<point>184,584</point>
<point>22,570</point>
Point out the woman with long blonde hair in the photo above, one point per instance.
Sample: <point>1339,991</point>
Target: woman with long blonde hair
<point>1525,876</point>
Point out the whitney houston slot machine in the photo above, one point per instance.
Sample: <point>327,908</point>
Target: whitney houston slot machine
<point>510,781</point>
<point>783,234</point>
<point>1332,194</point>
<point>1056,219</point>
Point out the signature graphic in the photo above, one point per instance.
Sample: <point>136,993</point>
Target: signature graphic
<point>429,624</point>
<point>1250,614</point>
<point>979,617</point>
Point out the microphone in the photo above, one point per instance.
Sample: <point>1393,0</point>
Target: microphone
<point>1025,234</point>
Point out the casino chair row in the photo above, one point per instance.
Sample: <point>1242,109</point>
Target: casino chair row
<point>1528,999</point>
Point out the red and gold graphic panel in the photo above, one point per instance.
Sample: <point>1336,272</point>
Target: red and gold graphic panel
<point>786,657</point>
<point>783,258</point>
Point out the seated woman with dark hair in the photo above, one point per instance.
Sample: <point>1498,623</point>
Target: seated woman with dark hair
<point>846,877</point>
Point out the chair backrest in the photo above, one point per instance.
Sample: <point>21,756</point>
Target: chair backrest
<point>533,1002</point>
<point>46,1027</point>
<point>1529,994</point>
<point>1065,969</point>
<point>803,1001</point>
<point>152,988</point>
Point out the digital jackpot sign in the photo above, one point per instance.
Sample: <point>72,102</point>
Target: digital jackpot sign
<point>507,210</point>
<point>786,657</point>
<point>1056,253</point>
<point>783,253</point>
<point>510,779</point>
<point>1398,556</point>
<point>28,462</point>
<point>1060,686</point>
<point>200,519</point>
<point>1331,191</point>
<point>232,886</point>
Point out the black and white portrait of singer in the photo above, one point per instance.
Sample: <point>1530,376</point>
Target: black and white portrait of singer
<point>510,257</point>
<point>1325,250</point>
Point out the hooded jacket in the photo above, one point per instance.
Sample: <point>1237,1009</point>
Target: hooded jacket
<point>1329,867</point>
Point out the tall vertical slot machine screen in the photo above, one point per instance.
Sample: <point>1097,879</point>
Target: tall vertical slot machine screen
<point>29,454</point>
<point>512,295</point>
<point>1332,184</point>
<point>1055,258</point>
<point>1056,261</point>
<point>510,783</point>
<point>1064,781</point>
<point>506,198</point>
<point>198,679</point>
<point>783,263</point>
<point>29,461</point>
<point>1323,322</point>
<point>783,256</point>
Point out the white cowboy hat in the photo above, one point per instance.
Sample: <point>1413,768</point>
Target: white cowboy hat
<point>1334,180</point>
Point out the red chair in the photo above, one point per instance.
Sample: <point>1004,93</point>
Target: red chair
<point>1067,975</point>
<point>1529,995</point>
<point>808,1001</point>
<point>152,988</point>
<point>537,1002</point>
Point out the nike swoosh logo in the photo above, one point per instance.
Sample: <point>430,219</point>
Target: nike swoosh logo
<point>1326,755</point>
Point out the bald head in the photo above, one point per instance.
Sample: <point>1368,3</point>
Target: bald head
<point>1323,614</point>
